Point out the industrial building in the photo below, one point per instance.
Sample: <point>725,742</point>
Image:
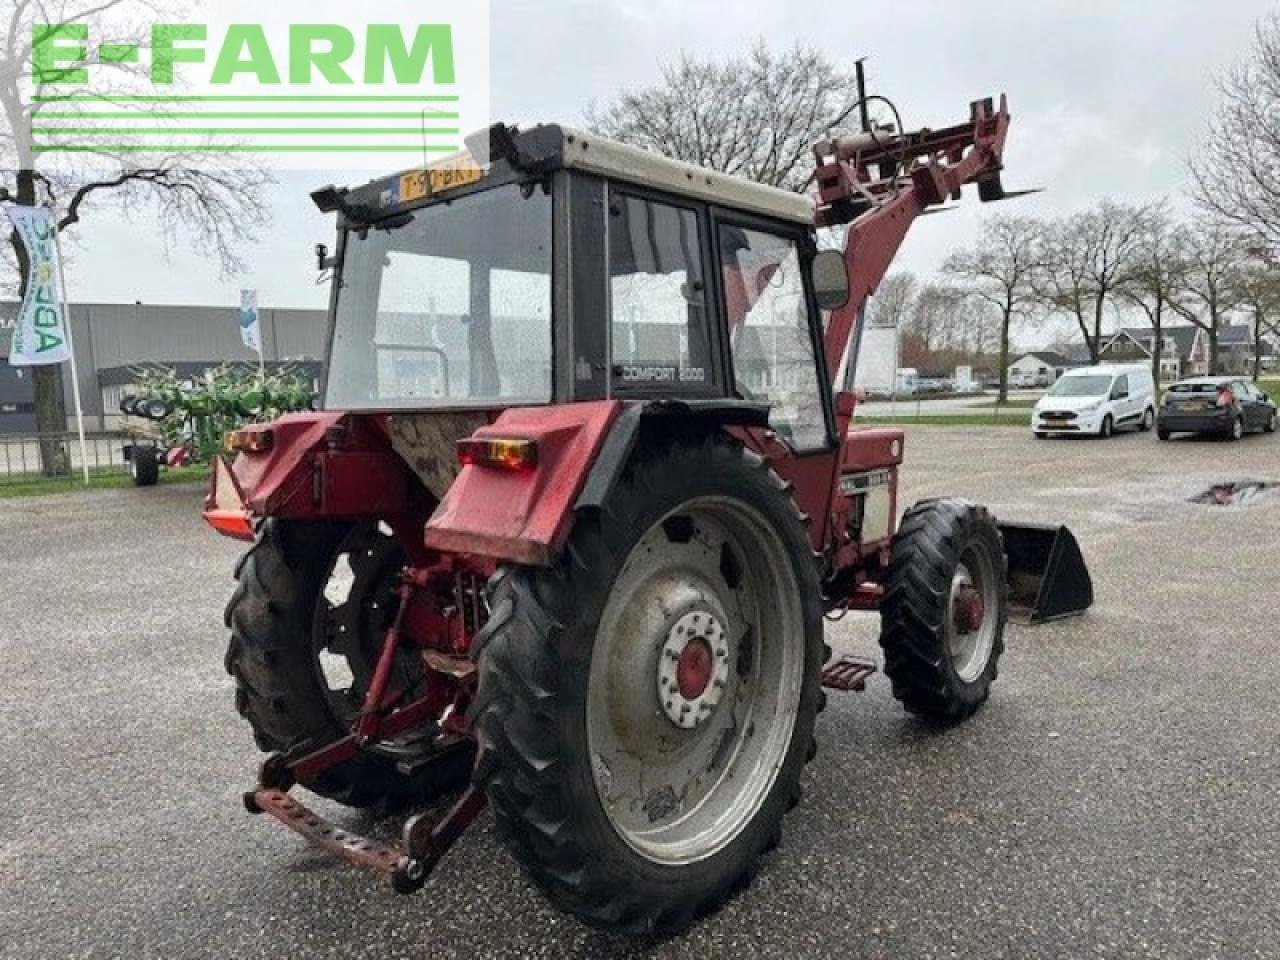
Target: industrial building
<point>112,340</point>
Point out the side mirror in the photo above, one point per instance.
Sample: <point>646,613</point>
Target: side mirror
<point>830,280</point>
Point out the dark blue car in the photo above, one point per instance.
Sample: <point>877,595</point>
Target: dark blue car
<point>1224,406</point>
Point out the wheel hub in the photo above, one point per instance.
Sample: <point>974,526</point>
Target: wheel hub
<point>692,669</point>
<point>969,610</point>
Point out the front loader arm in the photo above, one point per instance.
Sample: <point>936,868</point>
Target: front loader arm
<point>879,183</point>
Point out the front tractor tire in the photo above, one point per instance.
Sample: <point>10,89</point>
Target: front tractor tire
<point>944,610</point>
<point>646,705</point>
<point>306,620</point>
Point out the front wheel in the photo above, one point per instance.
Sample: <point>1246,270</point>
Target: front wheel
<point>646,706</point>
<point>1271,423</point>
<point>1107,428</point>
<point>944,609</point>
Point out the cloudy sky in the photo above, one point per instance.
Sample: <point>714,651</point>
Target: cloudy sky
<point>1109,98</point>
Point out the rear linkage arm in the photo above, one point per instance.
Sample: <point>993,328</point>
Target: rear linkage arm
<point>424,841</point>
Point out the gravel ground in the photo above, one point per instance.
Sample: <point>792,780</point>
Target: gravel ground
<point>1117,797</point>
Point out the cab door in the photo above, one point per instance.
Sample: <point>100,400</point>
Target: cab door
<point>773,330</point>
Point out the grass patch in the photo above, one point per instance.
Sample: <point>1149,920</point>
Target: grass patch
<point>1013,403</point>
<point>1272,388</point>
<point>1015,418</point>
<point>35,485</point>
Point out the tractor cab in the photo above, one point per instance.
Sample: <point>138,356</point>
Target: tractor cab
<point>576,269</point>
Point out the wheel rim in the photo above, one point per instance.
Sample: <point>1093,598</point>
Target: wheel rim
<point>352,613</point>
<point>1237,429</point>
<point>971,627</point>
<point>1148,420</point>
<point>695,680</point>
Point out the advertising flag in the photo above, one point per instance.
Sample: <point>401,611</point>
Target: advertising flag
<point>40,332</point>
<point>249,331</point>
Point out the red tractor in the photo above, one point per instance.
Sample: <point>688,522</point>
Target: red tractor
<point>583,488</point>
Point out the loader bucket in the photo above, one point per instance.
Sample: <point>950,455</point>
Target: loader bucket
<point>1048,578</point>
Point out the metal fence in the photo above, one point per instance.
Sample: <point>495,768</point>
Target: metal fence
<point>56,457</point>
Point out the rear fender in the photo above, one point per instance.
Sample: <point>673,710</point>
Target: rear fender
<point>524,516</point>
<point>329,465</point>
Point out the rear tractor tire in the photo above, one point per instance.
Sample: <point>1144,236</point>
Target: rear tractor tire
<point>944,610</point>
<point>306,621</point>
<point>646,705</point>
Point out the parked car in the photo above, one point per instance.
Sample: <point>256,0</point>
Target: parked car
<point>1097,401</point>
<point>1225,406</point>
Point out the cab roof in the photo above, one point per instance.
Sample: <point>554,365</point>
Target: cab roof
<point>620,161</point>
<point>549,147</point>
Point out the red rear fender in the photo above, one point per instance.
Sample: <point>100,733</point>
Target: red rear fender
<point>524,516</point>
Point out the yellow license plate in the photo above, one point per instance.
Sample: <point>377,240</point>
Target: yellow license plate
<point>422,183</point>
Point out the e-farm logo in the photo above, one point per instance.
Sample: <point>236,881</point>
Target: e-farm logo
<point>301,93</point>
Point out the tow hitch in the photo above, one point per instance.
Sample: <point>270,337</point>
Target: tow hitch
<point>424,841</point>
<point>408,866</point>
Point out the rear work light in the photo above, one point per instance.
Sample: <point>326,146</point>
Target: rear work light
<point>249,441</point>
<point>502,454</point>
<point>1226,398</point>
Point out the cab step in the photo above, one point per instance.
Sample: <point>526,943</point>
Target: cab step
<point>848,673</point>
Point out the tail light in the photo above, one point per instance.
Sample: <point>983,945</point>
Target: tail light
<point>499,453</point>
<point>1226,398</point>
<point>249,441</point>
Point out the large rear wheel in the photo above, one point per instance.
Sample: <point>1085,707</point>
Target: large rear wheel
<point>646,706</point>
<point>944,609</point>
<point>307,620</point>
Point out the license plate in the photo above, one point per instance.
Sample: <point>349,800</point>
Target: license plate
<point>422,183</point>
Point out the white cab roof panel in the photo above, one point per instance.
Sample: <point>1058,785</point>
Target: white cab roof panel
<point>620,161</point>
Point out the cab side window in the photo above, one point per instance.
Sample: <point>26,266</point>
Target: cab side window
<point>1121,388</point>
<point>768,313</point>
<point>658,291</point>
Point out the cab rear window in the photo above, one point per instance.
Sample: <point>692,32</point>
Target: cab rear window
<point>1190,389</point>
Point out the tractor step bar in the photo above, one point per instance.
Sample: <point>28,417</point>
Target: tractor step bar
<point>407,866</point>
<point>848,674</point>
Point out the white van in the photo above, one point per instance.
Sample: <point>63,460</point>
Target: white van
<point>1097,401</point>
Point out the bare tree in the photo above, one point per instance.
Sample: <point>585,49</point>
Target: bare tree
<point>892,302</point>
<point>196,194</point>
<point>755,116</point>
<point>934,314</point>
<point>1158,275</point>
<point>1216,256</point>
<point>1258,292</point>
<point>1237,175</point>
<point>1087,261</point>
<point>998,270</point>
<point>1060,278</point>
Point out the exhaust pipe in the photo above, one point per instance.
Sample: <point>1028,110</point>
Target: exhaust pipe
<point>1048,578</point>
